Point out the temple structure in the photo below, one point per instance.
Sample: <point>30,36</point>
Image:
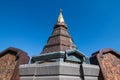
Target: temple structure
<point>109,62</point>
<point>60,40</point>
<point>59,59</point>
<point>60,46</point>
<point>10,59</point>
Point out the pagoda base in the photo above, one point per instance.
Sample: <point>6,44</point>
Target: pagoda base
<point>59,71</point>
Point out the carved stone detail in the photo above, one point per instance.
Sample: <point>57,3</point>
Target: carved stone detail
<point>109,62</point>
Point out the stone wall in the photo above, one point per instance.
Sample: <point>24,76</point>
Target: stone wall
<point>59,71</point>
<point>111,66</point>
<point>7,65</point>
<point>109,62</point>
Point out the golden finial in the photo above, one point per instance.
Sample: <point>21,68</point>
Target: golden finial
<point>60,18</point>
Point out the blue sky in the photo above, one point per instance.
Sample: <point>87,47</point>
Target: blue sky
<point>27,24</point>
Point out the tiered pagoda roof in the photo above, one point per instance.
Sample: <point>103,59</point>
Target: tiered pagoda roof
<point>60,46</point>
<point>60,40</point>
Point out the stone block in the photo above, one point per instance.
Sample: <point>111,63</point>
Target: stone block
<point>26,78</point>
<point>69,69</point>
<point>90,78</point>
<point>54,68</point>
<point>90,70</point>
<point>58,77</point>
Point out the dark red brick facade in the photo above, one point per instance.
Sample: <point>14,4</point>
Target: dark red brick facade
<point>10,59</point>
<point>7,66</point>
<point>109,62</point>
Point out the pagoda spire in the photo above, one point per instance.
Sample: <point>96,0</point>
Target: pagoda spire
<point>60,40</point>
<point>60,17</point>
<point>60,21</point>
<point>60,46</point>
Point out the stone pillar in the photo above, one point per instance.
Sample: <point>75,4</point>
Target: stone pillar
<point>90,72</point>
<point>59,71</point>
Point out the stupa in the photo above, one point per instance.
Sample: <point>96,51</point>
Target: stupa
<point>60,46</point>
<point>60,59</point>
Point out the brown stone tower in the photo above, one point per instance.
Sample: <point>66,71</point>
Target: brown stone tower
<point>60,46</point>
<point>60,40</point>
